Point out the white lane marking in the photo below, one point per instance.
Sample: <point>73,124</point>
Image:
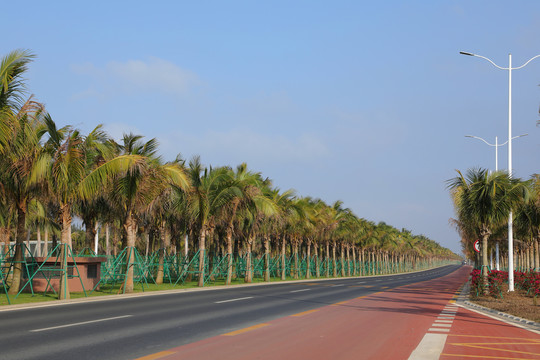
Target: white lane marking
<point>338,285</point>
<point>361,282</point>
<point>444,321</point>
<point>439,329</point>
<point>230,300</point>
<point>295,291</point>
<point>430,347</point>
<point>81,323</point>
<point>441,325</point>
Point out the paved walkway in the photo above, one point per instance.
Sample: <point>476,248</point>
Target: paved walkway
<point>479,336</point>
<point>419,321</point>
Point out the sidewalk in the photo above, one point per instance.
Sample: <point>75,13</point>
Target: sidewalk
<point>464,330</point>
<point>483,333</point>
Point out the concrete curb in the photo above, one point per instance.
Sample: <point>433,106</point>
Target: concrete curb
<point>463,300</point>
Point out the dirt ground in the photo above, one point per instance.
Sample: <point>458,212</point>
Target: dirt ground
<point>516,303</point>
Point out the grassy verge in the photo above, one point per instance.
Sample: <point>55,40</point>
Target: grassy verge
<point>26,298</point>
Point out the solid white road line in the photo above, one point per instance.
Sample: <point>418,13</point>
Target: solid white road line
<point>441,325</point>
<point>429,348</point>
<point>230,300</point>
<point>439,329</point>
<point>81,323</point>
<point>295,291</point>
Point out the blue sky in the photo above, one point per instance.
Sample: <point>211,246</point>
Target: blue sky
<point>364,102</point>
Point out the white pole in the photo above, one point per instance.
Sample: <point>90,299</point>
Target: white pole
<point>496,154</point>
<point>96,238</point>
<point>497,169</point>
<point>510,231</point>
<point>510,223</point>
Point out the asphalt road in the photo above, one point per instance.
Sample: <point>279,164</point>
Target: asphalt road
<point>137,326</point>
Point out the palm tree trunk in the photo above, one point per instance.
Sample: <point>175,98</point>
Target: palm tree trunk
<point>266,258</point>
<point>131,232</point>
<point>229,256</point>
<point>90,232</point>
<point>317,266</point>
<point>530,258</point>
<point>355,271</point>
<point>308,260</point>
<point>202,250</point>
<point>4,242</point>
<point>348,261</point>
<point>249,243</point>
<point>63,292</point>
<point>38,242</point>
<point>342,259</point>
<point>334,263</point>
<point>327,256</point>
<point>536,256</point>
<point>45,250</point>
<point>283,265</point>
<point>107,238</point>
<point>19,248</point>
<point>295,251</point>
<point>161,251</point>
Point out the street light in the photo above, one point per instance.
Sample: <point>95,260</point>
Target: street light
<point>510,231</point>
<point>496,145</point>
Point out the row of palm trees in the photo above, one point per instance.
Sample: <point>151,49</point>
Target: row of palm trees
<point>483,202</point>
<point>50,174</point>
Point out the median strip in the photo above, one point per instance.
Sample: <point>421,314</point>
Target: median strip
<point>80,323</point>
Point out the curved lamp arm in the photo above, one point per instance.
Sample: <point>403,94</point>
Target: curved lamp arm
<point>531,59</point>
<point>497,66</point>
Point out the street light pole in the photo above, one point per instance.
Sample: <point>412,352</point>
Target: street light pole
<point>496,145</point>
<point>510,222</point>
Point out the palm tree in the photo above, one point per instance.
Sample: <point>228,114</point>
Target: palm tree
<point>528,223</point>
<point>485,200</point>
<point>209,193</point>
<point>137,189</point>
<point>19,145</point>
<point>20,158</point>
<point>12,91</point>
<point>66,167</point>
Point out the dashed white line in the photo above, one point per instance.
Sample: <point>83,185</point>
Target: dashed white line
<point>80,323</point>
<point>441,325</point>
<point>295,291</point>
<point>439,329</point>
<point>231,300</point>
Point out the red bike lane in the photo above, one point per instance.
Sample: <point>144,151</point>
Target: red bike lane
<point>479,336</point>
<point>385,325</point>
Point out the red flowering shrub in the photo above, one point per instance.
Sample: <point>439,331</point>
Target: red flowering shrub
<point>527,281</point>
<point>496,280</point>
